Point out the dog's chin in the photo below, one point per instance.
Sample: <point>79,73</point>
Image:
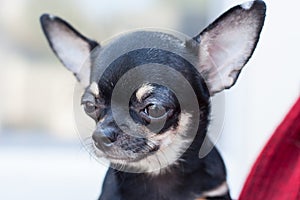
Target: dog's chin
<point>127,159</point>
<point>118,156</point>
<point>154,162</point>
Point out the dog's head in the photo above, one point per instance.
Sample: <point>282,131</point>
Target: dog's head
<point>148,91</point>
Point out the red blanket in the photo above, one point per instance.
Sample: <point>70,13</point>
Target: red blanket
<point>276,173</point>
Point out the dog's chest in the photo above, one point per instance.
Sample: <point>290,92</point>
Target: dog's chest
<point>146,187</point>
<point>162,187</point>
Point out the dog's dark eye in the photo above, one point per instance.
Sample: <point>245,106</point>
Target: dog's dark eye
<point>155,111</point>
<point>89,107</point>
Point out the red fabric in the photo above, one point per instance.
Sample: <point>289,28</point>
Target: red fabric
<point>276,173</point>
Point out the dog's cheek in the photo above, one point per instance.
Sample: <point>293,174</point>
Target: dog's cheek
<point>171,137</point>
<point>130,144</point>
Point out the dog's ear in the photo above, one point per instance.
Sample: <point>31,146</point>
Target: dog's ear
<point>72,48</point>
<point>227,44</point>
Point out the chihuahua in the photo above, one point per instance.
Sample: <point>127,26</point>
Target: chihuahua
<point>149,94</point>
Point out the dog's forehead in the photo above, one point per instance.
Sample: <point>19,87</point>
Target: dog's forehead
<point>132,41</point>
<point>139,39</point>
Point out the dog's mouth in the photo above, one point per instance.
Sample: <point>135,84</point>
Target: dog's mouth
<point>130,150</point>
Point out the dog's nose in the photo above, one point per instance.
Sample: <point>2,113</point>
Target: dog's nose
<point>104,137</point>
<point>106,132</point>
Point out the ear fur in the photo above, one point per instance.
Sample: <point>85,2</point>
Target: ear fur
<point>71,47</point>
<point>227,44</point>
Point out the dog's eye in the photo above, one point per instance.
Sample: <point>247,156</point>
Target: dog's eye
<point>89,107</point>
<point>155,111</point>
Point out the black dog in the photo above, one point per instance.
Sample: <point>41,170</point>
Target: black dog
<point>154,153</point>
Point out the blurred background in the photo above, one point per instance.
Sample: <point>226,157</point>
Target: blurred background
<point>41,156</point>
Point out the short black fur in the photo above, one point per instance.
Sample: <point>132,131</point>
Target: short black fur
<point>191,176</point>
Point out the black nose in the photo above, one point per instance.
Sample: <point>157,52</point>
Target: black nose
<point>104,137</point>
